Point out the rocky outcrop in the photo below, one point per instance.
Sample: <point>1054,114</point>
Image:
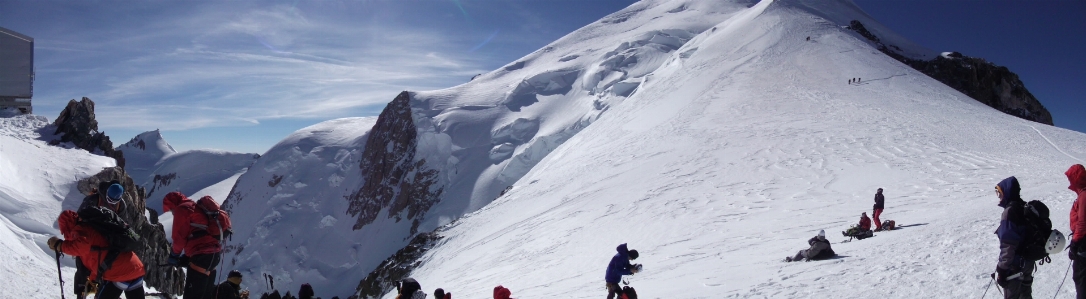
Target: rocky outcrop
<point>161,181</point>
<point>392,176</point>
<point>993,85</point>
<point>76,124</point>
<point>383,279</point>
<point>156,249</point>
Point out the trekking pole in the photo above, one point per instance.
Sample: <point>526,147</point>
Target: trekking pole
<point>60,276</point>
<point>988,287</point>
<point>1064,280</point>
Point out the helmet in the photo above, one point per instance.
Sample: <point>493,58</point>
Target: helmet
<point>1056,242</point>
<point>114,193</point>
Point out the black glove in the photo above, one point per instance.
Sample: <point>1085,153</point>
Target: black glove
<point>174,260</point>
<point>1001,278</point>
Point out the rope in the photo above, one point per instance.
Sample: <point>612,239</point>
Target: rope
<point>1064,279</point>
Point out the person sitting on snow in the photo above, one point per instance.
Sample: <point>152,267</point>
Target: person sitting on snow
<point>820,249</point>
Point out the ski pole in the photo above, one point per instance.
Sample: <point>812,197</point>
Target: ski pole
<point>988,287</point>
<point>1064,279</point>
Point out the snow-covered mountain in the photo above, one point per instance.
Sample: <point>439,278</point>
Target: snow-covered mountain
<point>37,181</point>
<point>143,153</point>
<point>711,134</point>
<point>155,165</point>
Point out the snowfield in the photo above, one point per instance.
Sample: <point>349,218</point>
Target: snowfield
<point>37,181</point>
<point>709,135</point>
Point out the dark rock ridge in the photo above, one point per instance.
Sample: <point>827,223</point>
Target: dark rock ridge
<point>392,177</point>
<point>993,85</point>
<point>161,180</point>
<point>156,249</point>
<point>383,279</point>
<point>76,124</point>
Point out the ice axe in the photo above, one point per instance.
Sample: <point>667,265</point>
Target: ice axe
<point>60,276</point>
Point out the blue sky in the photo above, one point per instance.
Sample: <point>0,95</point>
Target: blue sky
<point>241,75</point>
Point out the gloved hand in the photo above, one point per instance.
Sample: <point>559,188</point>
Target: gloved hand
<point>635,268</point>
<point>174,260</point>
<point>54,243</point>
<point>1001,278</point>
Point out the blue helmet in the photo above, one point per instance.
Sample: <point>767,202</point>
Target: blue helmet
<point>114,193</point>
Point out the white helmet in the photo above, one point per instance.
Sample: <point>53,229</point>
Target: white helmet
<point>1056,242</point>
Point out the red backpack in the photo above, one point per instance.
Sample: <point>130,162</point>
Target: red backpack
<point>210,218</point>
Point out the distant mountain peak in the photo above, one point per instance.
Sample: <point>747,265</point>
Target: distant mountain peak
<point>149,138</point>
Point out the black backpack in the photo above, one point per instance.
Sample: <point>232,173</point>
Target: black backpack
<point>120,236</point>
<point>1037,228</point>
<point>630,292</point>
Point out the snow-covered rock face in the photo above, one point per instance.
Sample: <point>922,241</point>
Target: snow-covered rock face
<point>392,178</point>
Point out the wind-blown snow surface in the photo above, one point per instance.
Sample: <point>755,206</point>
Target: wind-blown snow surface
<point>36,182</point>
<point>292,228</point>
<point>720,140</point>
<point>743,146</point>
<point>193,172</point>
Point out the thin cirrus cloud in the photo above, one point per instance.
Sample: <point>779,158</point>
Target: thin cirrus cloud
<point>266,63</point>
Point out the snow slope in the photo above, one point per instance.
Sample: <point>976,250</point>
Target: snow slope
<point>153,164</point>
<point>142,153</point>
<point>482,136</point>
<point>37,181</point>
<point>711,135</point>
<point>292,228</point>
<point>192,171</point>
<point>745,143</point>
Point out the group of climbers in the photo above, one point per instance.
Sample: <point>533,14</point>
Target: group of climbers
<point>95,235</point>
<point>409,288</point>
<point>103,245</point>
<point>1026,237</point>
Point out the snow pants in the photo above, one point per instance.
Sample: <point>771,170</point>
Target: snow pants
<point>612,290</point>
<point>875,216</point>
<point>80,280</point>
<point>802,254</point>
<point>131,289</point>
<point>1022,287</point>
<point>200,279</point>
<point>1079,276</point>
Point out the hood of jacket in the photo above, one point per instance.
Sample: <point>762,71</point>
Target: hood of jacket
<point>1077,176</point>
<point>623,251</point>
<point>1011,191</point>
<point>67,222</point>
<point>172,200</point>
